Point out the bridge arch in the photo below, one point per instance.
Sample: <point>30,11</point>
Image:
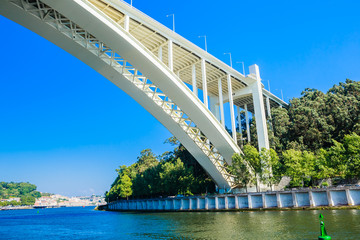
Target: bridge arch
<point>81,28</point>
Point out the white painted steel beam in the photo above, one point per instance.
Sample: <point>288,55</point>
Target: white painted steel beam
<point>221,103</point>
<point>126,23</point>
<point>160,53</point>
<point>239,124</point>
<point>247,123</point>
<point>170,55</point>
<point>194,85</point>
<point>204,83</point>
<point>231,104</point>
<point>268,107</point>
<point>239,93</point>
<point>214,106</point>
<point>259,109</point>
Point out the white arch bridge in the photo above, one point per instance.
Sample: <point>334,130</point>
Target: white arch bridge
<point>160,69</point>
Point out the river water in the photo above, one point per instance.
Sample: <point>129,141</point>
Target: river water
<point>86,223</point>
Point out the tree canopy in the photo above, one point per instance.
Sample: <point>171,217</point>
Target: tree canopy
<point>315,119</point>
<point>172,173</point>
<point>25,191</point>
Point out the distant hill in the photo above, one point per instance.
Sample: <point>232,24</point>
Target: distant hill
<point>22,193</point>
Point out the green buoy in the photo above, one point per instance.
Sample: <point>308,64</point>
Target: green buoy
<point>323,233</point>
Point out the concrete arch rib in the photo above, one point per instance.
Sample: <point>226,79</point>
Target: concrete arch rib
<point>81,13</point>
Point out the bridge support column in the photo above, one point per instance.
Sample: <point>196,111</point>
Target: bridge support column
<point>160,53</point>
<point>126,23</point>
<point>214,106</point>
<point>170,54</point>
<point>231,103</point>
<point>259,109</point>
<point>204,83</point>
<point>247,123</point>
<point>268,107</point>
<point>221,103</point>
<point>239,125</point>
<point>194,86</point>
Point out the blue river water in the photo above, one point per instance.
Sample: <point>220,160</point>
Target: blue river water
<point>86,223</point>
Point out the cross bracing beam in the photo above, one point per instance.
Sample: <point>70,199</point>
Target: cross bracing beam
<point>63,24</point>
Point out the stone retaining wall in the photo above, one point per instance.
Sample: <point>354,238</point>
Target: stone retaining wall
<point>283,199</point>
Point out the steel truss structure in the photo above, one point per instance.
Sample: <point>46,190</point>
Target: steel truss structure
<point>156,67</point>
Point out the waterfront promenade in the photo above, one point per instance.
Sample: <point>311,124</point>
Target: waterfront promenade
<point>330,197</point>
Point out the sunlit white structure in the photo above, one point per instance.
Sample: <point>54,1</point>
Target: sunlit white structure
<point>161,70</point>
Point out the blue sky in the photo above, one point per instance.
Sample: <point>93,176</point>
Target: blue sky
<point>66,129</point>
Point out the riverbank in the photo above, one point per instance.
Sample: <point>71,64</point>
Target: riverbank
<point>41,207</point>
<point>331,198</point>
<point>15,208</point>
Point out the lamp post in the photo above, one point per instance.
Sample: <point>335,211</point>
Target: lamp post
<point>243,66</point>
<point>204,36</point>
<point>173,15</point>
<point>282,96</point>
<point>230,59</point>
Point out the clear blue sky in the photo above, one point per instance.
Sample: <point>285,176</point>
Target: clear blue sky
<point>66,129</point>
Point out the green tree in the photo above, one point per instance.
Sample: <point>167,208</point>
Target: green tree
<point>280,122</point>
<point>299,165</point>
<point>240,170</point>
<point>27,200</point>
<point>352,153</point>
<point>176,178</point>
<point>322,165</point>
<point>253,157</point>
<point>344,109</point>
<point>270,167</point>
<point>125,186</point>
<point>26,188</point>
<point>147,159</point>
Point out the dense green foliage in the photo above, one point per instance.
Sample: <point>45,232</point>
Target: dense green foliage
<point>316,138</point>
<point>253,167</point>
<point>25,191</point>
<point>175,172</point>
<point>306,168</point>
<point>316,119</point>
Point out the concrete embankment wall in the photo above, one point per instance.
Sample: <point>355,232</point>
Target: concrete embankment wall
<point>284,199</point>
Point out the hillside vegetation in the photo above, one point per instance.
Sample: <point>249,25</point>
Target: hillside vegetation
<point>25,191</point>
<point>316,138</point>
